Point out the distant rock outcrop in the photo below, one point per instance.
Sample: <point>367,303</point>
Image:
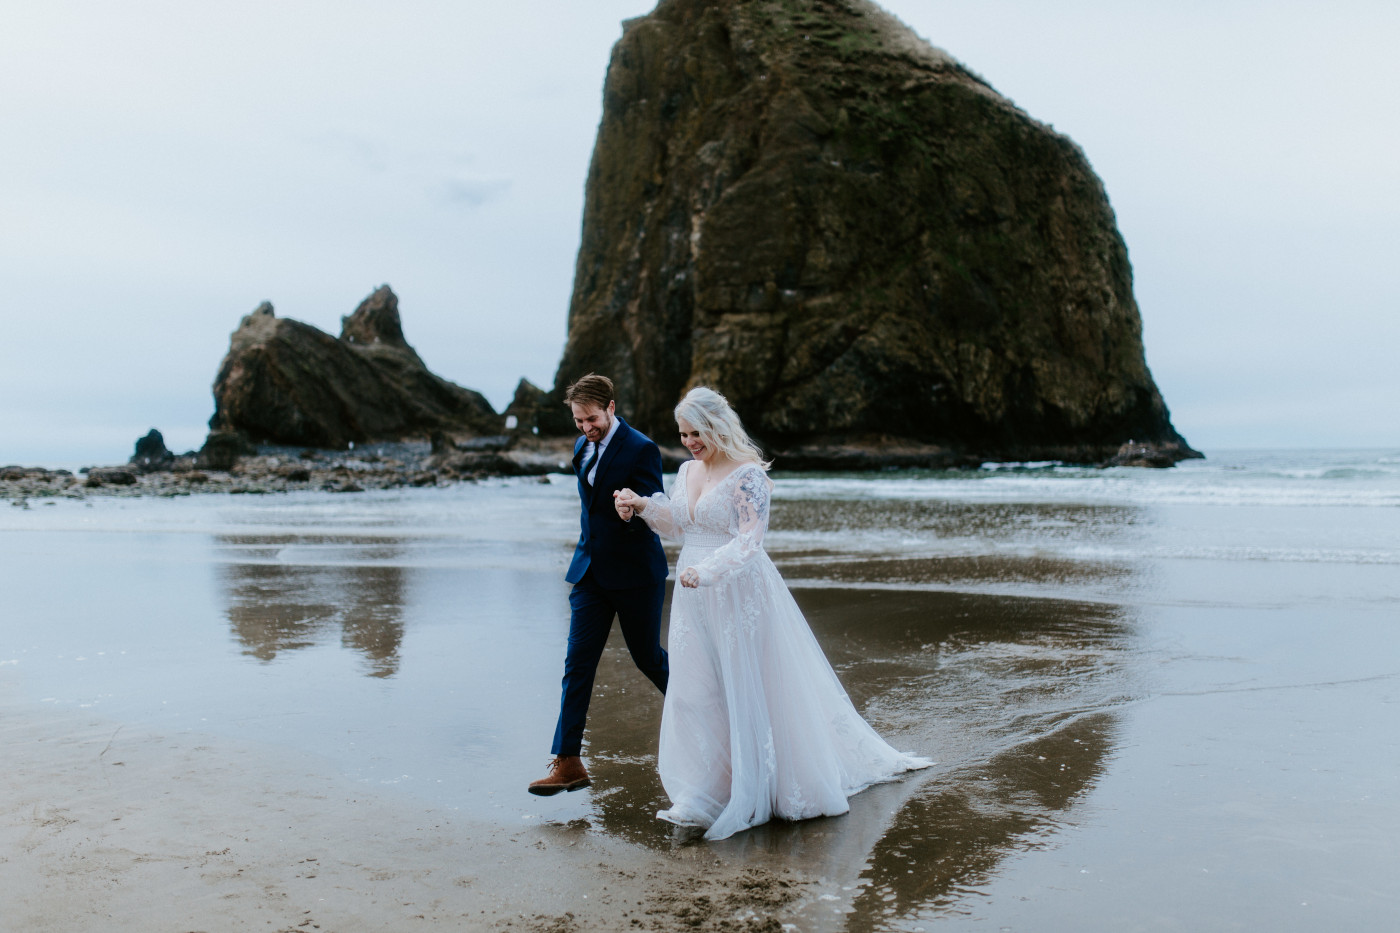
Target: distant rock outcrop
<point>857,240</point>
<point>287,382</point>
<point>151,454</point>
<point>537,412</point>
<point>222,449</point>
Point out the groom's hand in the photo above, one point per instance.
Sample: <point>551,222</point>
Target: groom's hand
<point>622,501</point>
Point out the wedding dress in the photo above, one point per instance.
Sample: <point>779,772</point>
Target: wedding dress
<point>755,723</point>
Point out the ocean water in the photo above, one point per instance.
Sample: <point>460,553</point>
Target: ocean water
<point>1075,512</point>
<point>1309,506</point>
<point>1159,699</point>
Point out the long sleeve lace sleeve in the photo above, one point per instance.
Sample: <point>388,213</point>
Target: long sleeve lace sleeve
<point>660,517</point>
<point>750,502</point>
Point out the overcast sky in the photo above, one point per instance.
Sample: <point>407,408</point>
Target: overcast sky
<point>166,166</point>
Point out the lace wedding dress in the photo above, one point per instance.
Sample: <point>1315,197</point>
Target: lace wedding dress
<point>755,723</point>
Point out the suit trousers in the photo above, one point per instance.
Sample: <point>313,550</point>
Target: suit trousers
<point>638,612</point>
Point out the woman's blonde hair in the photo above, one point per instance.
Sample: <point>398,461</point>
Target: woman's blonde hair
<point>719,426</point>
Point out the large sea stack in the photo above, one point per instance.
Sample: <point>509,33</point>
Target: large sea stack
<point>286,382</point>
<point>857,240</point>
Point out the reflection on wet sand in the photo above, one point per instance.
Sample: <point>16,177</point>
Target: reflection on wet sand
<point>934,519</point>
<point>987,547</point>
<point>952,571</point>
<point>948,838</point>
<point>280,599</point>
<point>1013,697</point>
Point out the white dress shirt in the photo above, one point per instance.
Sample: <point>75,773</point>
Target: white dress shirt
<point>602,447</point>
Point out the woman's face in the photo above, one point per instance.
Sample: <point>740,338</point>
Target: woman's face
<point>691,439</point>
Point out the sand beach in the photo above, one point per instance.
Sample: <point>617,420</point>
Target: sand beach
<point>1158,700</point>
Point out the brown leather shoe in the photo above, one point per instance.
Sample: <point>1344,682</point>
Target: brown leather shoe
<point>565,773</point>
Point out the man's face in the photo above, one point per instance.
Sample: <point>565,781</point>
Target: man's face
<point>593,422</point>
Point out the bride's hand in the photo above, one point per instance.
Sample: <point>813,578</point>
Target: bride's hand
<point>627,503</point>
<point>690,578</point>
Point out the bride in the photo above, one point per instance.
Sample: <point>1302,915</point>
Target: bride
<point>755,724</point>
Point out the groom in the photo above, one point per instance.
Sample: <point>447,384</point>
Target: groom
<point>618,569</point>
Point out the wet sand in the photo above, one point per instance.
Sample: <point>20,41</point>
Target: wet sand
<point>238,833</point>
<point>119,829</point>
<point>305,715</point>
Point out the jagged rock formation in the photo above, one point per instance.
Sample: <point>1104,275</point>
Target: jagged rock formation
<point>856,239</point>
<point>527,407</point>
<point>538,412</point>
<point>289,383</point>
<point>151,454</point>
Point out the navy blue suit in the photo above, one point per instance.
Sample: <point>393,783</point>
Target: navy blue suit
<point>618,570</point>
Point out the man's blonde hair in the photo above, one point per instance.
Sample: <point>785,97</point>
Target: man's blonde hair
<point>592,390</point>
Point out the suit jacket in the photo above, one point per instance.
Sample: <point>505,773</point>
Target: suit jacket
<point>620,554</point>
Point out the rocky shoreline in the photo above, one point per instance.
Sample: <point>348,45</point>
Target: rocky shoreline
<point>275,469</point>
<point>438,463</point>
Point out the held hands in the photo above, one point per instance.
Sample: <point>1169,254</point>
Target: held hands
<point>628,503</point>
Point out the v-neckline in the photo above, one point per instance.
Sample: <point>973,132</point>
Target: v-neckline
<point>690,506</point>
